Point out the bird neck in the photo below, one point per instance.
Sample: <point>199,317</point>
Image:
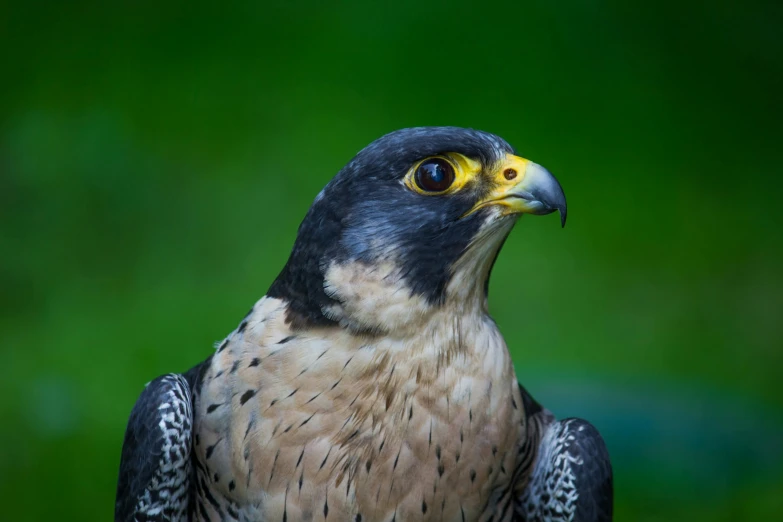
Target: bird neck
<point>450,343</point>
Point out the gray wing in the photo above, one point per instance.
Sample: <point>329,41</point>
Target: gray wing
<point>572,475</point>
<point>155,468</point>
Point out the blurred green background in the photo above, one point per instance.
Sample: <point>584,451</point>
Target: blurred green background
<point>157,157</point>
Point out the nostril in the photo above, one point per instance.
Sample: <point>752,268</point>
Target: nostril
<point>510,174</point>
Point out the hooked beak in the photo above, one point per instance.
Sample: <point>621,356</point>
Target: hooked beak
<point>524,187</point>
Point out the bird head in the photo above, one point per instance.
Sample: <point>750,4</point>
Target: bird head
<point>410,226</point>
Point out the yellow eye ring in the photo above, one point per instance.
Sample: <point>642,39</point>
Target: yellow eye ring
<point>441,174</point>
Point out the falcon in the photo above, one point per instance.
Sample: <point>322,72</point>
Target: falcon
<point>370,383</point>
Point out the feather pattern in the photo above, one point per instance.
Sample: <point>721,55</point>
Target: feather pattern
<point>155,466</point>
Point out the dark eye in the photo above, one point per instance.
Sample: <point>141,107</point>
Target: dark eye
<point>434,175</point>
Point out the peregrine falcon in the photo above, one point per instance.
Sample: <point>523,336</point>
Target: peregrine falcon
<point>370,383</point>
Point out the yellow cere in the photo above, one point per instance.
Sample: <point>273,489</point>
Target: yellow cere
<point>504,177</point>
<point>508,174</point>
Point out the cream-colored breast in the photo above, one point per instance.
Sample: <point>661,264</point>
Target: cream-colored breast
<point>325,424</point>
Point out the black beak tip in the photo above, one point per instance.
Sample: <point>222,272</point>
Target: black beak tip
<point>563,214</point>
